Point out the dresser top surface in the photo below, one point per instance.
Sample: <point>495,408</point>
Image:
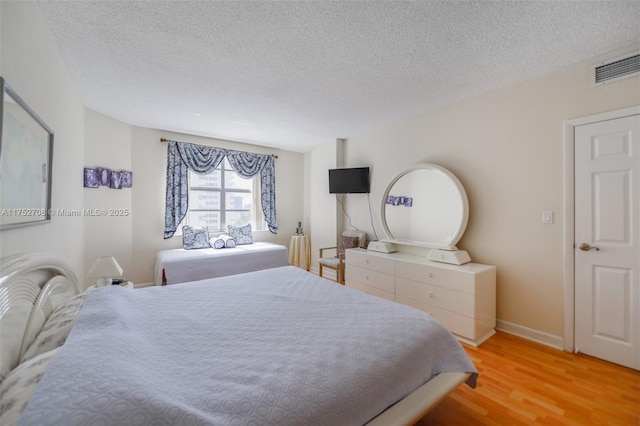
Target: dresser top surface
<point>468,267</point>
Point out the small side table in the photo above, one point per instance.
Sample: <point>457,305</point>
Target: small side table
<point>300,252</point>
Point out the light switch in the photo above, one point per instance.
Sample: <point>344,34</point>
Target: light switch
<point>547,216</point>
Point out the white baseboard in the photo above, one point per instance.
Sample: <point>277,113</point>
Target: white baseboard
<point>556,342</point>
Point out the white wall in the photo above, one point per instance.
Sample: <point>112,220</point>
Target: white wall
<point>506,147</point>
<point>108,144</point>
<point>322,205</point>
<point>149,162</point>
<point>31,65</point>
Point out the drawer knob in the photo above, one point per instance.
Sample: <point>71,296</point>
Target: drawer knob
<point>431,295</point>
<point>430,274</point>
<point>366,277</point>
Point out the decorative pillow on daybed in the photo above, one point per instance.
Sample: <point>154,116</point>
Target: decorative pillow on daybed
<point>241,234</point>
<point>222,241</point>
<point>217,242</point>
<point>195,237</point>
<point>56,328</point>
<point>229,242</point>
<point>20,384</point>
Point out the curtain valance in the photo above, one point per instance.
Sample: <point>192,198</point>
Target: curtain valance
<point>204,159</point>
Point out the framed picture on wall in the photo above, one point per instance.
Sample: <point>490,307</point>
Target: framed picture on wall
<point>104,176</point>
<point>90,178</point>
<point>127,179</point>
<point>26,154</point>
<point>116,180</point>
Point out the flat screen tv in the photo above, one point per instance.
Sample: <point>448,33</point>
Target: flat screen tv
<point>349,181</point>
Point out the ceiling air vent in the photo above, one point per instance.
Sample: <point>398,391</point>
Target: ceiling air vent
<point>616,69</point>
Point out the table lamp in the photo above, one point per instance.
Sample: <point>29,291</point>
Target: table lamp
<point>104,269</point>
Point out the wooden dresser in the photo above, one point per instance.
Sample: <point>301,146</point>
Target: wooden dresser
<point>463,298</point>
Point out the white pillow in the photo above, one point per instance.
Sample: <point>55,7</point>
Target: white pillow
<point>228,241</point>
<point>18,387</point>
<point>217,242</point>
<point>56,328</point>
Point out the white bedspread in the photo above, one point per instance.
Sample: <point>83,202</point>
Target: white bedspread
<point>182,265</point>
<point>273,347</point>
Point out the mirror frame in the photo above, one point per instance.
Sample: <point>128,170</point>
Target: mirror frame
<point>448,245</point>
<point>25,125</point>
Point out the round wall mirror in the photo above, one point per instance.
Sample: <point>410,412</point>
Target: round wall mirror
<point>425,205</point>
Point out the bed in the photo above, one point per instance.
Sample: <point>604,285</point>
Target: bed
<point>180,265</point>
<point>277,346</point>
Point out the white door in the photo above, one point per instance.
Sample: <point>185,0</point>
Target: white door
<point>607,240</point>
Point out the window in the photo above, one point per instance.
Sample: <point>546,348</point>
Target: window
<point>223,198</point>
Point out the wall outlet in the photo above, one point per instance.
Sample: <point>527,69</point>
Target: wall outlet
<point>547,216</point>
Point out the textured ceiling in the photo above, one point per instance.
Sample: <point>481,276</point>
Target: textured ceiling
<point>294,74</point>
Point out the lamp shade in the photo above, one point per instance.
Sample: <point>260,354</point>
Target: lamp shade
<point>105,267</point>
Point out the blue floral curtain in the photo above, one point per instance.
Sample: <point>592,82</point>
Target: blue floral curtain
<point>247,164</point>
<point>204,159</point>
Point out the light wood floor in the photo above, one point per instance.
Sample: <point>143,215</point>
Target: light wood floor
<point>523,383</point>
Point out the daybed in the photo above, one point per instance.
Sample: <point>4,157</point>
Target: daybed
<point>278,346</point>
<point>180,265</point>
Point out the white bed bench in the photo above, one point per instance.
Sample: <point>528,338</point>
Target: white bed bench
<point>182,265</point>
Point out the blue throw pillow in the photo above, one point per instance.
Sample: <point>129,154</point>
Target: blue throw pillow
<point>242,234</point>
<point>195,237</point>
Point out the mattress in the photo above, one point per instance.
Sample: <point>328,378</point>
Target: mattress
<point>182,265</point>
<point>274,347</point>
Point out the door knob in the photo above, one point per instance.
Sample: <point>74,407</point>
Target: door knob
<point>587,247</point>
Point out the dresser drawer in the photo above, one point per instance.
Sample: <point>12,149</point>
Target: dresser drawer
<point>455,301</point>
<point>463,297</point>
<point>454,280</point>
<point>456,323</point>
<point>374,263</point>
<point>370,290</point>
<point>370,277</point>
